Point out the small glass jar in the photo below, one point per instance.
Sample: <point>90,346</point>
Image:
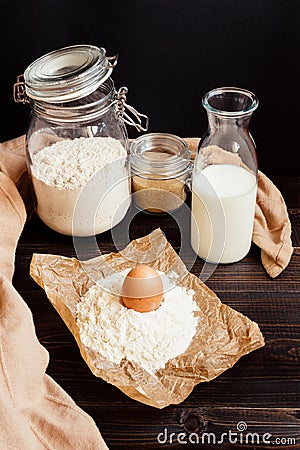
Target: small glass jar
<point>77,145</point>
<point>160,164</point>
<point>224,182</point>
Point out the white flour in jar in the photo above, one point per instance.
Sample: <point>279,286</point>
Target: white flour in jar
<point>149,339</point>
<point>88,172</point>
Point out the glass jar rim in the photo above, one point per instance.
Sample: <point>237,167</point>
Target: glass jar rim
<point>248,96</point>
<point>76,111</point>
<point>177,151</point>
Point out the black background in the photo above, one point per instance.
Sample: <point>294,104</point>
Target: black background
<point>171,52</point>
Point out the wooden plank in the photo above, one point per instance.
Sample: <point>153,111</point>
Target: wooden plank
<point>155,431</point>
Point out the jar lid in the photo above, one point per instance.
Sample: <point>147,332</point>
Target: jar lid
<point>68,74</point>
<point>159,156</point>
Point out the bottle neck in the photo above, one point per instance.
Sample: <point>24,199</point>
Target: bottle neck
<point>222,123</point>
<point>228,141</point>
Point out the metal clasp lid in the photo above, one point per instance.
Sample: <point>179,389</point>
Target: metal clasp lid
<point>19,91</point>
<point>65,75</point>
<point>114,60</point>
<point>121,107</point>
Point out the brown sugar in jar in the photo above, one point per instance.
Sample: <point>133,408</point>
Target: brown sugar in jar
<point>160,165</point>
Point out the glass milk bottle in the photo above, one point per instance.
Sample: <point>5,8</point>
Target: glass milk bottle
<point>224,183</point>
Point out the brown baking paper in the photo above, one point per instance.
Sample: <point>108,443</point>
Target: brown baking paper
<point>223,335</point>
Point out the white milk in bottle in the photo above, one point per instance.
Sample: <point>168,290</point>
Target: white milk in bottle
<point>223,206</point>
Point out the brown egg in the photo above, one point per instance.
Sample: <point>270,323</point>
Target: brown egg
<point>142,289</point>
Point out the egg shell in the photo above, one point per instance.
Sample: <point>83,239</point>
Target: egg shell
<point>142,289</point>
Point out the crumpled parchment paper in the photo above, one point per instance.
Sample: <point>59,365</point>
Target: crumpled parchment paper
<point>223,335</point>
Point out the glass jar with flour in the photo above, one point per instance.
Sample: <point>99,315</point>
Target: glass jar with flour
<point>77,144</point>
<point>224,182</point>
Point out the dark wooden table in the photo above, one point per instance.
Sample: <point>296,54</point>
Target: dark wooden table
<point>261,390</point>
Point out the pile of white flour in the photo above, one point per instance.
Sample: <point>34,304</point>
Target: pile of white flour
<point>89,172</point>
<point>149,339</point>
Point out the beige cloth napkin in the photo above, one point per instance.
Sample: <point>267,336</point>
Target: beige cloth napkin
<point>36,413</point>
<point>272,227</point>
